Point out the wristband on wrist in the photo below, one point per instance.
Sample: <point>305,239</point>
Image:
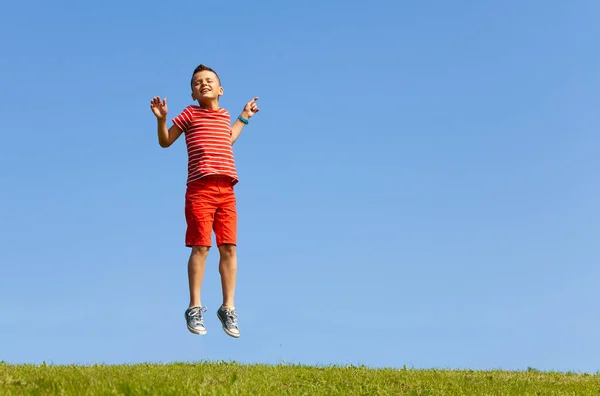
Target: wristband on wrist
<point>245,121</point>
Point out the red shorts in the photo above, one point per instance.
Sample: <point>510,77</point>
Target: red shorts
<point>210,204</point>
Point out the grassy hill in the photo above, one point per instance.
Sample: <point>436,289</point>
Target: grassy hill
<point>237,379</point>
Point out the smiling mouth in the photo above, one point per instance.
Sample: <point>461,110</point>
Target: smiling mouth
<point>205,90</point>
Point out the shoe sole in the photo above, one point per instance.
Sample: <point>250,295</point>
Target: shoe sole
<point>199,332</point>
<point>229,333</point>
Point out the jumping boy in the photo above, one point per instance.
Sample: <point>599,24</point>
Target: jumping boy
<point>210,202</point>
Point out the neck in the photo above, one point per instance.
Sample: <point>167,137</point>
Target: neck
<point>210,105</point>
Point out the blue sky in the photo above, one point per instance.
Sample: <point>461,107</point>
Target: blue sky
<point>420,187</point>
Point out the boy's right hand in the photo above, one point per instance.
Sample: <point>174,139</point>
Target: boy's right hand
<point>159,108</point>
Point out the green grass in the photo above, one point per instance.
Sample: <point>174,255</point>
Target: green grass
<point>237,379</point>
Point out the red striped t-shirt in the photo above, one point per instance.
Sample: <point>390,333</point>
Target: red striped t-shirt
<point>208,140</point>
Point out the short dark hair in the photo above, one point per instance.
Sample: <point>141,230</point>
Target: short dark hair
<point>200,68</point>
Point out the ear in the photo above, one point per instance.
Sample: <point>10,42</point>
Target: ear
<point>221,91</point>
<point>193,97</point>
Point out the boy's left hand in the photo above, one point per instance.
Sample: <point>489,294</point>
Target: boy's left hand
<point>251,108</point>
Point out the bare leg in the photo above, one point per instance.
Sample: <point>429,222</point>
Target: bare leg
<point>196,265</point>
<point>228,271</point>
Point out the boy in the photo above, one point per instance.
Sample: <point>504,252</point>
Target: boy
<point>210,202</point>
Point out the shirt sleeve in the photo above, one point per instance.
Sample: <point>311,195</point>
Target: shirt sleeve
<point>183,120</point>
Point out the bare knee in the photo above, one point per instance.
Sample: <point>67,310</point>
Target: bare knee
<point>201,251</point>
<point>227,251</point>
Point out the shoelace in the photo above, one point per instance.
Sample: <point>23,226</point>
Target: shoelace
<point>231,318</point>
<point>196,313</point>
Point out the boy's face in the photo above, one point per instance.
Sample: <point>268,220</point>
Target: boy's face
<point>206,86</point>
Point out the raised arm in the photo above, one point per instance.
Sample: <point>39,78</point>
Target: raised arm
<point>250,109</point>
<point>166,137</point>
